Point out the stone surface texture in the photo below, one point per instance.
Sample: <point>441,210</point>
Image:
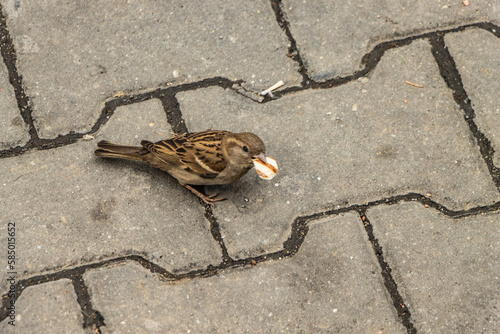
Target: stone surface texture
<point>384,216</point>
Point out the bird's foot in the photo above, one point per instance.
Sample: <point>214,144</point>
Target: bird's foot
<point>210,200</point>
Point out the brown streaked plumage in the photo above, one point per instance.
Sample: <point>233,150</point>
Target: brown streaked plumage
<point>200,158</point>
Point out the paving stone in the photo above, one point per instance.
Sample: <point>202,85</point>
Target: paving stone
<point>350,144</point>
<point>73,56</point>
<point>132,123</point>
<point>481,78</point>
<point>331,285</point>
<point>362,141</point>
<point>446,270</point>
<point>81,208</point>
<point>13,130</point>
<point>333,36</point>
<point>46,308</point>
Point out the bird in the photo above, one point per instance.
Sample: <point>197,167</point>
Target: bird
<point>211,157</point>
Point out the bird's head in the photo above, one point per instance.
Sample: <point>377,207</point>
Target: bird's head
<point>241,148</point>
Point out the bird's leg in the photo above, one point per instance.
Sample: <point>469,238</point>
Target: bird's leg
<point>210,200</point>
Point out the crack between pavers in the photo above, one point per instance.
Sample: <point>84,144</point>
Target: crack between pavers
<point>216,234</point>
<point>291,246</point>
<point>451,75</point>
<point>390,284</point>
<point>91,318</point>
<point>369,60</point>
<point>23,101</point>
<point>293,51</point>
<point>173,112</point>
<point>300,225</point>
<point>165,95</point>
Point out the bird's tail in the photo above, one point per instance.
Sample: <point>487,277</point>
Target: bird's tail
<point>110,150</point>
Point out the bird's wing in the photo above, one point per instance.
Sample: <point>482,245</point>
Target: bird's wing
<point>198,152</point>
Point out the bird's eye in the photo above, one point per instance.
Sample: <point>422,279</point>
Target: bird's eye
<point>245,149</point>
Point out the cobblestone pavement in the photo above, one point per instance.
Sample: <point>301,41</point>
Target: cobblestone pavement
<point>383,218</point>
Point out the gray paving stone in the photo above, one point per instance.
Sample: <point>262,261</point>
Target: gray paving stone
<point>13,130</point>
<point>351,144</point>
<point>333,36</point>
<point>481,78</point>
<point>132,123</point>
<point>362,141</point>
<point>47,308</point>
<point>81,208</point>
<point>73,56</point>
<point>447,270</point>
<point>331,285</point>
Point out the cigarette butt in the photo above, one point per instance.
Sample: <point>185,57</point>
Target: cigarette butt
<point>276,86</point>
<point>273,87</point>
<point>414,84</point>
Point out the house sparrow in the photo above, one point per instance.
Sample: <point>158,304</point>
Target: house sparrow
<point>199,158</point>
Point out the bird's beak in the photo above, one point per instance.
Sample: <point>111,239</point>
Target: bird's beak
<point>262,157</point>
